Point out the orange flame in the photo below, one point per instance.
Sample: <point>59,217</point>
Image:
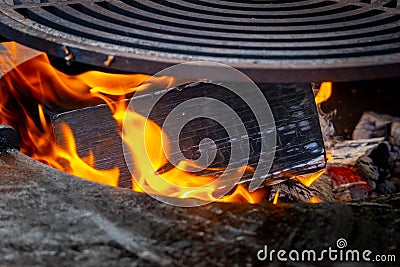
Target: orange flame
<point>308,179</point>
<point>36,83</point>
<point>314,200</point>
<point>179,181</point>
<point>324,92</point>
<point>329,156</point>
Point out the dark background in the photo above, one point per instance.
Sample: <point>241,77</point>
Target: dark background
<point>351,99</point>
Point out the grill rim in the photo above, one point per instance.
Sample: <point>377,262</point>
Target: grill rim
<point>14,27</point>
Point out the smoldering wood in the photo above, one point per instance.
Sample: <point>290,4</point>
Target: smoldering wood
<point>370,159</point>
<point>51,218</point>
<point>394,140</point>
<point>375,164</point>
<point>380,164</point>
<point>348,180</point>
<point>292,191</point>
<point>299,149</point>
<point>351,100</point>
<point>322,188</point>
<point>347,152</point>
<point>395,134</point>
<point>377,125</point>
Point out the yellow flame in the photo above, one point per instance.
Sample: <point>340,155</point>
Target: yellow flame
<point>324,92</point>
<point>66,158</point>
<point>308,179</point>
<point>276,197</point>
<point>314,200</point>
<point>148,145</point>
<point>329,156</point>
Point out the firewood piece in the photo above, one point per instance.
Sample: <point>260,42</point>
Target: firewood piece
<point>52,218</point>
<point>95,130</point>
<point>395,149</point>
<point>385,126</point>
<point>322,188</point>
<point>395,160</point>
<point>347,152</point>
<point>362,168</point>
<point>292,191</point>
<point>299,147</point>
<point>372,125</point>
<point>375,165</point>
<point>395,134</point>
<point>349,182</point>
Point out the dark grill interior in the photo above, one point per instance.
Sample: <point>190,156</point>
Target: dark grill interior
<point>268,40</point>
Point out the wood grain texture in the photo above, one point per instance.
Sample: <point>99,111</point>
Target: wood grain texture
<point>299,145</point>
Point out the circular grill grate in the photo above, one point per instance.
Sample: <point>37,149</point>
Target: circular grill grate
<point>270,40</point>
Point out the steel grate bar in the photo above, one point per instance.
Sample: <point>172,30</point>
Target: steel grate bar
<point>271,41</point>
<point>83,27</point>
<point>89,18</point>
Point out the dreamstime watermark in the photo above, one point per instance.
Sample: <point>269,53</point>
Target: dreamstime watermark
<point>337,254</point>
<point>207,107</point>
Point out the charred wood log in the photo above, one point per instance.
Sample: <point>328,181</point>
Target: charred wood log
<point>293,191</point>
<point>372,125</point>
<point>299,147</point>
<point>381,166</point>
<point>51,218</point>
<point>362,168</point>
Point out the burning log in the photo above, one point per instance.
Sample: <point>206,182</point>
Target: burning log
<point>357,166</point>
<point>366,167</point>
<point>379,125</point>
<point>386,158</point>
<point>95,131</point>
<point>299,148</point>
<point>293,191</point>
